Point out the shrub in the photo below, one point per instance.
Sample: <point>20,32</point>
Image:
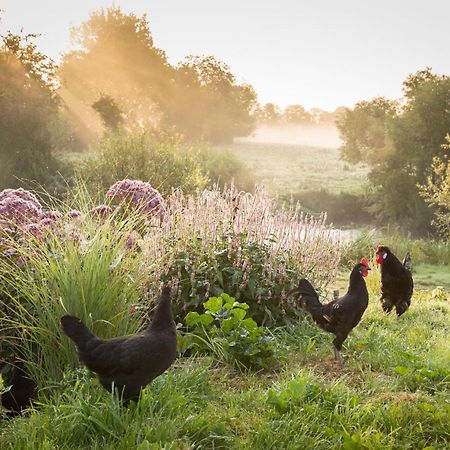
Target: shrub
<point>241,244</point>
<point>150,156</point>
<point>224,330</point>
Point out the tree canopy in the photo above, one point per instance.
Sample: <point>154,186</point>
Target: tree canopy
<point>116,57</point>
<point>399,140</point>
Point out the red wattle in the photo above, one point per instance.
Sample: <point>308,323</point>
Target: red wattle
<point>379,259</point>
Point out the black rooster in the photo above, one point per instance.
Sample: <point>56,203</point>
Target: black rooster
<point>128,363</point>
<point>341,315</point>
<point>396,281</point>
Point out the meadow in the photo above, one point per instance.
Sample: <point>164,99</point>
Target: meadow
<point>291,168</point>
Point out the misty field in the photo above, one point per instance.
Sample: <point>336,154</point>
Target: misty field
<point>293,168</point>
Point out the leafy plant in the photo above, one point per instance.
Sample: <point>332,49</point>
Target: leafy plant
<point>224,330</point>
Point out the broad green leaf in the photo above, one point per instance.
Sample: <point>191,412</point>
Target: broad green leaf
<point>192,318</point>
<point>213,304</point>
<point>238,313</point>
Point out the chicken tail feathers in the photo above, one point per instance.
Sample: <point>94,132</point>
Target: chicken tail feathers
<point>309,300</point>
<point>407,262</point>
<point>76,330</point>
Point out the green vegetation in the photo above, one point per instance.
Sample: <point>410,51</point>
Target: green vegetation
<point>391,394</point>
<point>399,141</point>
<point>225,331</point>
<point>289,169</point>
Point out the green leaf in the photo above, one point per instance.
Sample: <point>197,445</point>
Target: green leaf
<point>401,370</point>
<point>213,304</point>
<point>240,305</point>
<point>249,323</point>
<point>238,313</point>
<point>206,319</point>
<point>192,318</point>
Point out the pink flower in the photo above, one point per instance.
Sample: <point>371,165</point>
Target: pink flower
<point>17,210</point>
<point>10,252</point>
<point>34,229</point>
<point>140,193</point>
<point>21,193</point>
<point>102,211</point>
<point>54,215</point>
<point>73,214</point>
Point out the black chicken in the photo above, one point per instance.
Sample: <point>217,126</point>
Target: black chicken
<point>128,363</point>
<point>341,315</point>
<point>396,281</point>
<point>22,389</point>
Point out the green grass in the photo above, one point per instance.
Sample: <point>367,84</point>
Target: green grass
<point>392,393</point>
<point>286,169</point>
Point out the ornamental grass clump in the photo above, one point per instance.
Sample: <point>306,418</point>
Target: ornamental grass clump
<point>242,244</point>
<point>74,262</point>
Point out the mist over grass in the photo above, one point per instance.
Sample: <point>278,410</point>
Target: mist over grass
<point>325,135</point>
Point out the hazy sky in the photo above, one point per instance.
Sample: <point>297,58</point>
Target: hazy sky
<point>322,53</point>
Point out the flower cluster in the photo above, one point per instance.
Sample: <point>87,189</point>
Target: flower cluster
<point>140,194</point>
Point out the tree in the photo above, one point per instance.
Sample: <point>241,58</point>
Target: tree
<point>269,114</point>
<point>211,102</point>
<point>28,112</point>
<point>399,142</point>
<point>109,111</point>
<point>296,114</point>
<point>436,191</point>
<point>116,56</point>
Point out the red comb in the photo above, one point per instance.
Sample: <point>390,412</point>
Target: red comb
<point>378,246</point>
<point>364,261</point>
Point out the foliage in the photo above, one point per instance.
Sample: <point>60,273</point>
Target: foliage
<point>210,103</point>
<point>399,144</point>
<point>225,331</point>
<point>241,244</point>
<point>78,264</point>
<point>28,113</point>
<point>116,55</point>
<point>152,156</point>
<point>109,111</point>
<point>436,192</point>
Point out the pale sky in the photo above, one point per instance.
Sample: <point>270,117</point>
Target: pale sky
<point>319,53</point>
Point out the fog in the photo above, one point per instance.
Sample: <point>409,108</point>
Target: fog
<point>311,135</point>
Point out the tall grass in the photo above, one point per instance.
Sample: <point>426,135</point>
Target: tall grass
<point>94,277</point>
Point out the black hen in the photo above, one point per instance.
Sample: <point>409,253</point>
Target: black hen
<point>20,393</point>
<point>129,363</point>
<point>341,315</point>
<point>396,281</point>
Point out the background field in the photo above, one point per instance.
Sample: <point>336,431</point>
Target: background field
<point>287,168</point>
